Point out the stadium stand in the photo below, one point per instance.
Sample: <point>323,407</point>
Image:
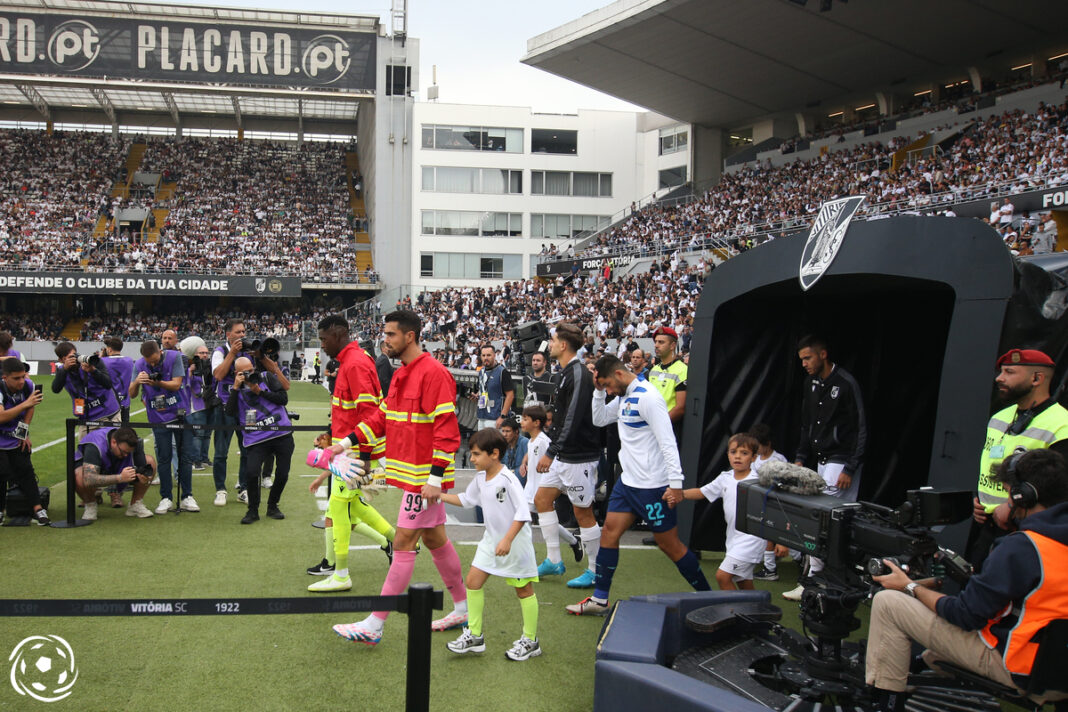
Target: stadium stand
<point>1001,155</point>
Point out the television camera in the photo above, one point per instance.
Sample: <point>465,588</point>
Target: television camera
<point>852,538</point>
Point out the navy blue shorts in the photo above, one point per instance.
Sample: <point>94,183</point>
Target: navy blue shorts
<point>645,504</point>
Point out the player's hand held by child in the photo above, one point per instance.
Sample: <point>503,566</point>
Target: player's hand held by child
<point>672,497</point>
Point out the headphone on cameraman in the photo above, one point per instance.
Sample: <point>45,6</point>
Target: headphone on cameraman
<point>1022,494</point>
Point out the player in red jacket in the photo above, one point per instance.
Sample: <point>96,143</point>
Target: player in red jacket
<point>418,419</point>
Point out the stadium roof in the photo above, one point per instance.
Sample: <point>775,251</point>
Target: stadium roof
<point>109,95</point>
<point>724,62</point>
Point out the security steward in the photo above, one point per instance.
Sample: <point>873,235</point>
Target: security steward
<point>495,390</point>
<point>1032,421</point>
<point>1024,587</point>
<point>668,376</point>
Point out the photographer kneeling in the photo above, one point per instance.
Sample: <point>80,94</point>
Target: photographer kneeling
<point>259,399</point>
<point>109,457</point>
<point>987,628</point>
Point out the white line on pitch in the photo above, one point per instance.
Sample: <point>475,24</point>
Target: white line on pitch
<point>63,439</point>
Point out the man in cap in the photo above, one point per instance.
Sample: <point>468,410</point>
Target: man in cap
<point>668,375</point>
<point>1033,420</point>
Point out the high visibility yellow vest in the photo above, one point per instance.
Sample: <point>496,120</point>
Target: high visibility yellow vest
<point>666,380</point>
<point>1046,428</point>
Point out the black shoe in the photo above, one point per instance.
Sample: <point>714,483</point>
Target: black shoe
<point>41,517</point>
<point>250,516</point>
<point>766,574</point>
<point>577,549</point>
<point>649,541</point>
<point>388,551</point>
<point>321,569</point>
<point>275,513</point>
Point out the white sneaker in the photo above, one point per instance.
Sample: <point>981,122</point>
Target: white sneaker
<point>267,482</point>
<point>138,509</point>
<point>794,594</point>
<point>242,497</point>
<point>155,480</point>
<point>467,643</point>
<point>189,504</point>
<point>523,649</point>
<point>220,498</point>
<point>165,505</point>
<point>89,514</point>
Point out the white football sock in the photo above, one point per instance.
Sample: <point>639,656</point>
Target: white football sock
<point>549,524</point>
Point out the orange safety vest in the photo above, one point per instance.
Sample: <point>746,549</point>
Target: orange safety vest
<point>1048,602</point>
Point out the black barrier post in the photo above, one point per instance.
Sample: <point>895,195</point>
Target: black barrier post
<point>420,614</point>
<point>71,522</point>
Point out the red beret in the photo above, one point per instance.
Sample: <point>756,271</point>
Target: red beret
<point>1025,357</point>
<point>666,331</point>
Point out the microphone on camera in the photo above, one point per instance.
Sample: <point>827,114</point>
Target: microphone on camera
<point>789,477</point>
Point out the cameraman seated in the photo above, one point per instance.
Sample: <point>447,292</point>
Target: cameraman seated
<point>109,457</point>
<point>986,628</point>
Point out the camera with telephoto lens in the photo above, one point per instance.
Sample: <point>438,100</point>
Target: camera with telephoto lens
<point>155,377</point>
<point>247,345</point>
<point>253,378</point>
<point>89,359</point>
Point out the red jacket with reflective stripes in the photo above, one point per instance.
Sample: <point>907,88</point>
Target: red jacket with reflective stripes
<point>418,420</point>
<point>357,397</point>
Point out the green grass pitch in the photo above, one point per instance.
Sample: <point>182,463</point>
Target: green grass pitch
<point>279,662</point>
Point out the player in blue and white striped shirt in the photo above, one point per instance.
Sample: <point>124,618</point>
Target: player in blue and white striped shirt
<point>651,483</point>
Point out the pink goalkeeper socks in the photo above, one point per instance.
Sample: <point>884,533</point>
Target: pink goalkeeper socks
<point>400,575</point>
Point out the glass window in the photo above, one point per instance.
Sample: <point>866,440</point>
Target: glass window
<point>472,138</point>
<point>428,178</point>
<point>673,139</point>
<point>537,182</point>
<point>428,222</point>
<point>606,185</point>
<point>512,266</point>
<point>454,179</point>
<point>672,177</point>
<point>515,225</point>
<point>586,185</point>
<point>494,181</point>
<point>426,265</point>
<point>554,141</point>
<point>515,182</point>
<point>537,225</point>
<point>557,183</point>
<point>491,268</point>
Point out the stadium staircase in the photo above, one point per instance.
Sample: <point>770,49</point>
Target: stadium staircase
<point>364,260</point>
<point>73,330</point>
<point>121,189</point>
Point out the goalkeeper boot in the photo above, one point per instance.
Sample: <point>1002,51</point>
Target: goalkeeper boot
<point>332,583</point>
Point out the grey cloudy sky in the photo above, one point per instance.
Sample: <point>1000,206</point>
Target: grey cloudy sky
<point>476,46</point>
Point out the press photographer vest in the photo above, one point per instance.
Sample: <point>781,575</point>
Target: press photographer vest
<point>1046,603</point>
<point>161,405</point>
<point>100,400</point>
<point>266,413</point>
<point>490,395</point>
<point>223,385</point>
<point>196,390</point>
<point>109,464</point>
<point>121,370</point>
<point>11,399</point>
<point>1046,428</point>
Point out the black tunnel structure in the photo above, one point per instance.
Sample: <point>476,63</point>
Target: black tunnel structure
<point>916,308</point>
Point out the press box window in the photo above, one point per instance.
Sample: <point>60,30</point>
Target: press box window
<point>554,141</point>
<point>426,265</point>
<point>672,177</point>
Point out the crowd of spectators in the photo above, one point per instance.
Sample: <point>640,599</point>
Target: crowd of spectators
<point>50,194</point>
<point>245,207</point>
<point>1004,154</point>
<point>457,320</point>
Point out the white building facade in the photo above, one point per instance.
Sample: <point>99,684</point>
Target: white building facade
<point>492,185</point>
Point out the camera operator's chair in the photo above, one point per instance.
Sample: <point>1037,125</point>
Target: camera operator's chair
<point>1047,674</point>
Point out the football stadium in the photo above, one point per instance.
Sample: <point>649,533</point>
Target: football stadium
<point>753,393</point>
